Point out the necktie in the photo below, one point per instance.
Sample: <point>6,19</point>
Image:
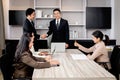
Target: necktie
<point>57,24</point>
<point>32,23</point>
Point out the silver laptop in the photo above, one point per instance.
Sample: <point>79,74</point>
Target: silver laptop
<point>57,48</point>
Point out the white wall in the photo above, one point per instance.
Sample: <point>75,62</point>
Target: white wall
<point>6,8</point>
<point>14,32</point>
<point>100,3</point>
<point>114,33</point>
<point>117,20</point>
<point>21,4</point>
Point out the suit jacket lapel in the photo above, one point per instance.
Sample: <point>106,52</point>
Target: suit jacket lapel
<point>60,24</point>
<point>29,23</point>
<point>54,22</point>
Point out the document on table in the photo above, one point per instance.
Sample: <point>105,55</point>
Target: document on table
<point>79,57</point>
<point>36,54</point>
<point>39,56</point>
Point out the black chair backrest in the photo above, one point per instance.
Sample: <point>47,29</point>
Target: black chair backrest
<point>115,59</point>
<point>118,64</point>
<point>6,62</point>
<point>6,66</point>
<point>115,62</point>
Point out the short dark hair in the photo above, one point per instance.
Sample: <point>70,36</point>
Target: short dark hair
<point>56,9</point>
<point>29,11</point>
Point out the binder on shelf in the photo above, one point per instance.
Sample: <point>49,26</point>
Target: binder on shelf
<point>40,26</point>
<point>38,13</point>
<point>73,34</point>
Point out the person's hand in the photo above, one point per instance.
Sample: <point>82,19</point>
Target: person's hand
<point>89,57</point>
<point>66,45</point>
<point>54,63</point>
<point>76,44</point>
<point>48,58</point>
<point>43,53</point>
<point>43,36</point>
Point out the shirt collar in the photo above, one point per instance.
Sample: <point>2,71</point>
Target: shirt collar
<point>29,20</point>
<point>58,20</point>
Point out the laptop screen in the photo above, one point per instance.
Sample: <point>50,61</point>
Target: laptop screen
<point>57,47</point>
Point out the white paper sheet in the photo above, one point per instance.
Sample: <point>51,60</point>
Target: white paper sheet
<point>79,57</point>
<point>39,56</point>
<point>36,54</point>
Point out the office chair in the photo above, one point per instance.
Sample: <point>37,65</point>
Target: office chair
<point>7,60</point>
<point>6,66</point>
<point>114,61</point>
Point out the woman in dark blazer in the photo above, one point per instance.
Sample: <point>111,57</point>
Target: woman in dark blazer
<point>26,62</point>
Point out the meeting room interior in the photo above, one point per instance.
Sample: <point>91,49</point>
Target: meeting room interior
<point>59,40</point>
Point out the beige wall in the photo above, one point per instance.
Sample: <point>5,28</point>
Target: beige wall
<point>117,20</point>
<point>10,31</point>
<point>0,52</point>
<point>2,38</point>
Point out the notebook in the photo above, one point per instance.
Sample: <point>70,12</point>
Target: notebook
<point>57,48</point>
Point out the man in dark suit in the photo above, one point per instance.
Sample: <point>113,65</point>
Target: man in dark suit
<point>59,29</point>
<point>28,26</point>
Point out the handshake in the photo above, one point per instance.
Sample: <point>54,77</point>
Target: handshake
<point>43,36</point>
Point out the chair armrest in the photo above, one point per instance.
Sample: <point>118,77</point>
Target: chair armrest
<point>105,65</point>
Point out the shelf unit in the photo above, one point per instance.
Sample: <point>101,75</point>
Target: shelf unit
<point>73,12</point>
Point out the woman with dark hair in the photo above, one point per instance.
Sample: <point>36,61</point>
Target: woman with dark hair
<point>26,62</point>
<point>100,53</point>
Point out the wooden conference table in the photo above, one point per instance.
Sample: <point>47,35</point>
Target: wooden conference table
<point>74,65</point>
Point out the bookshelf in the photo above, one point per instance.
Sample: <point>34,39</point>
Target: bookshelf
<point>73,12</point>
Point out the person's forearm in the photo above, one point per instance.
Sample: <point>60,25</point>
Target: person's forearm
<point>87,50</point>
<point>34,63</point>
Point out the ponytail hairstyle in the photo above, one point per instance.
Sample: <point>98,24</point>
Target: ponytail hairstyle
<point>107,40</point>
<point>99,34</point>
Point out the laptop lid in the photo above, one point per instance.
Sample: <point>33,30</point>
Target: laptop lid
<point>57,47</point>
